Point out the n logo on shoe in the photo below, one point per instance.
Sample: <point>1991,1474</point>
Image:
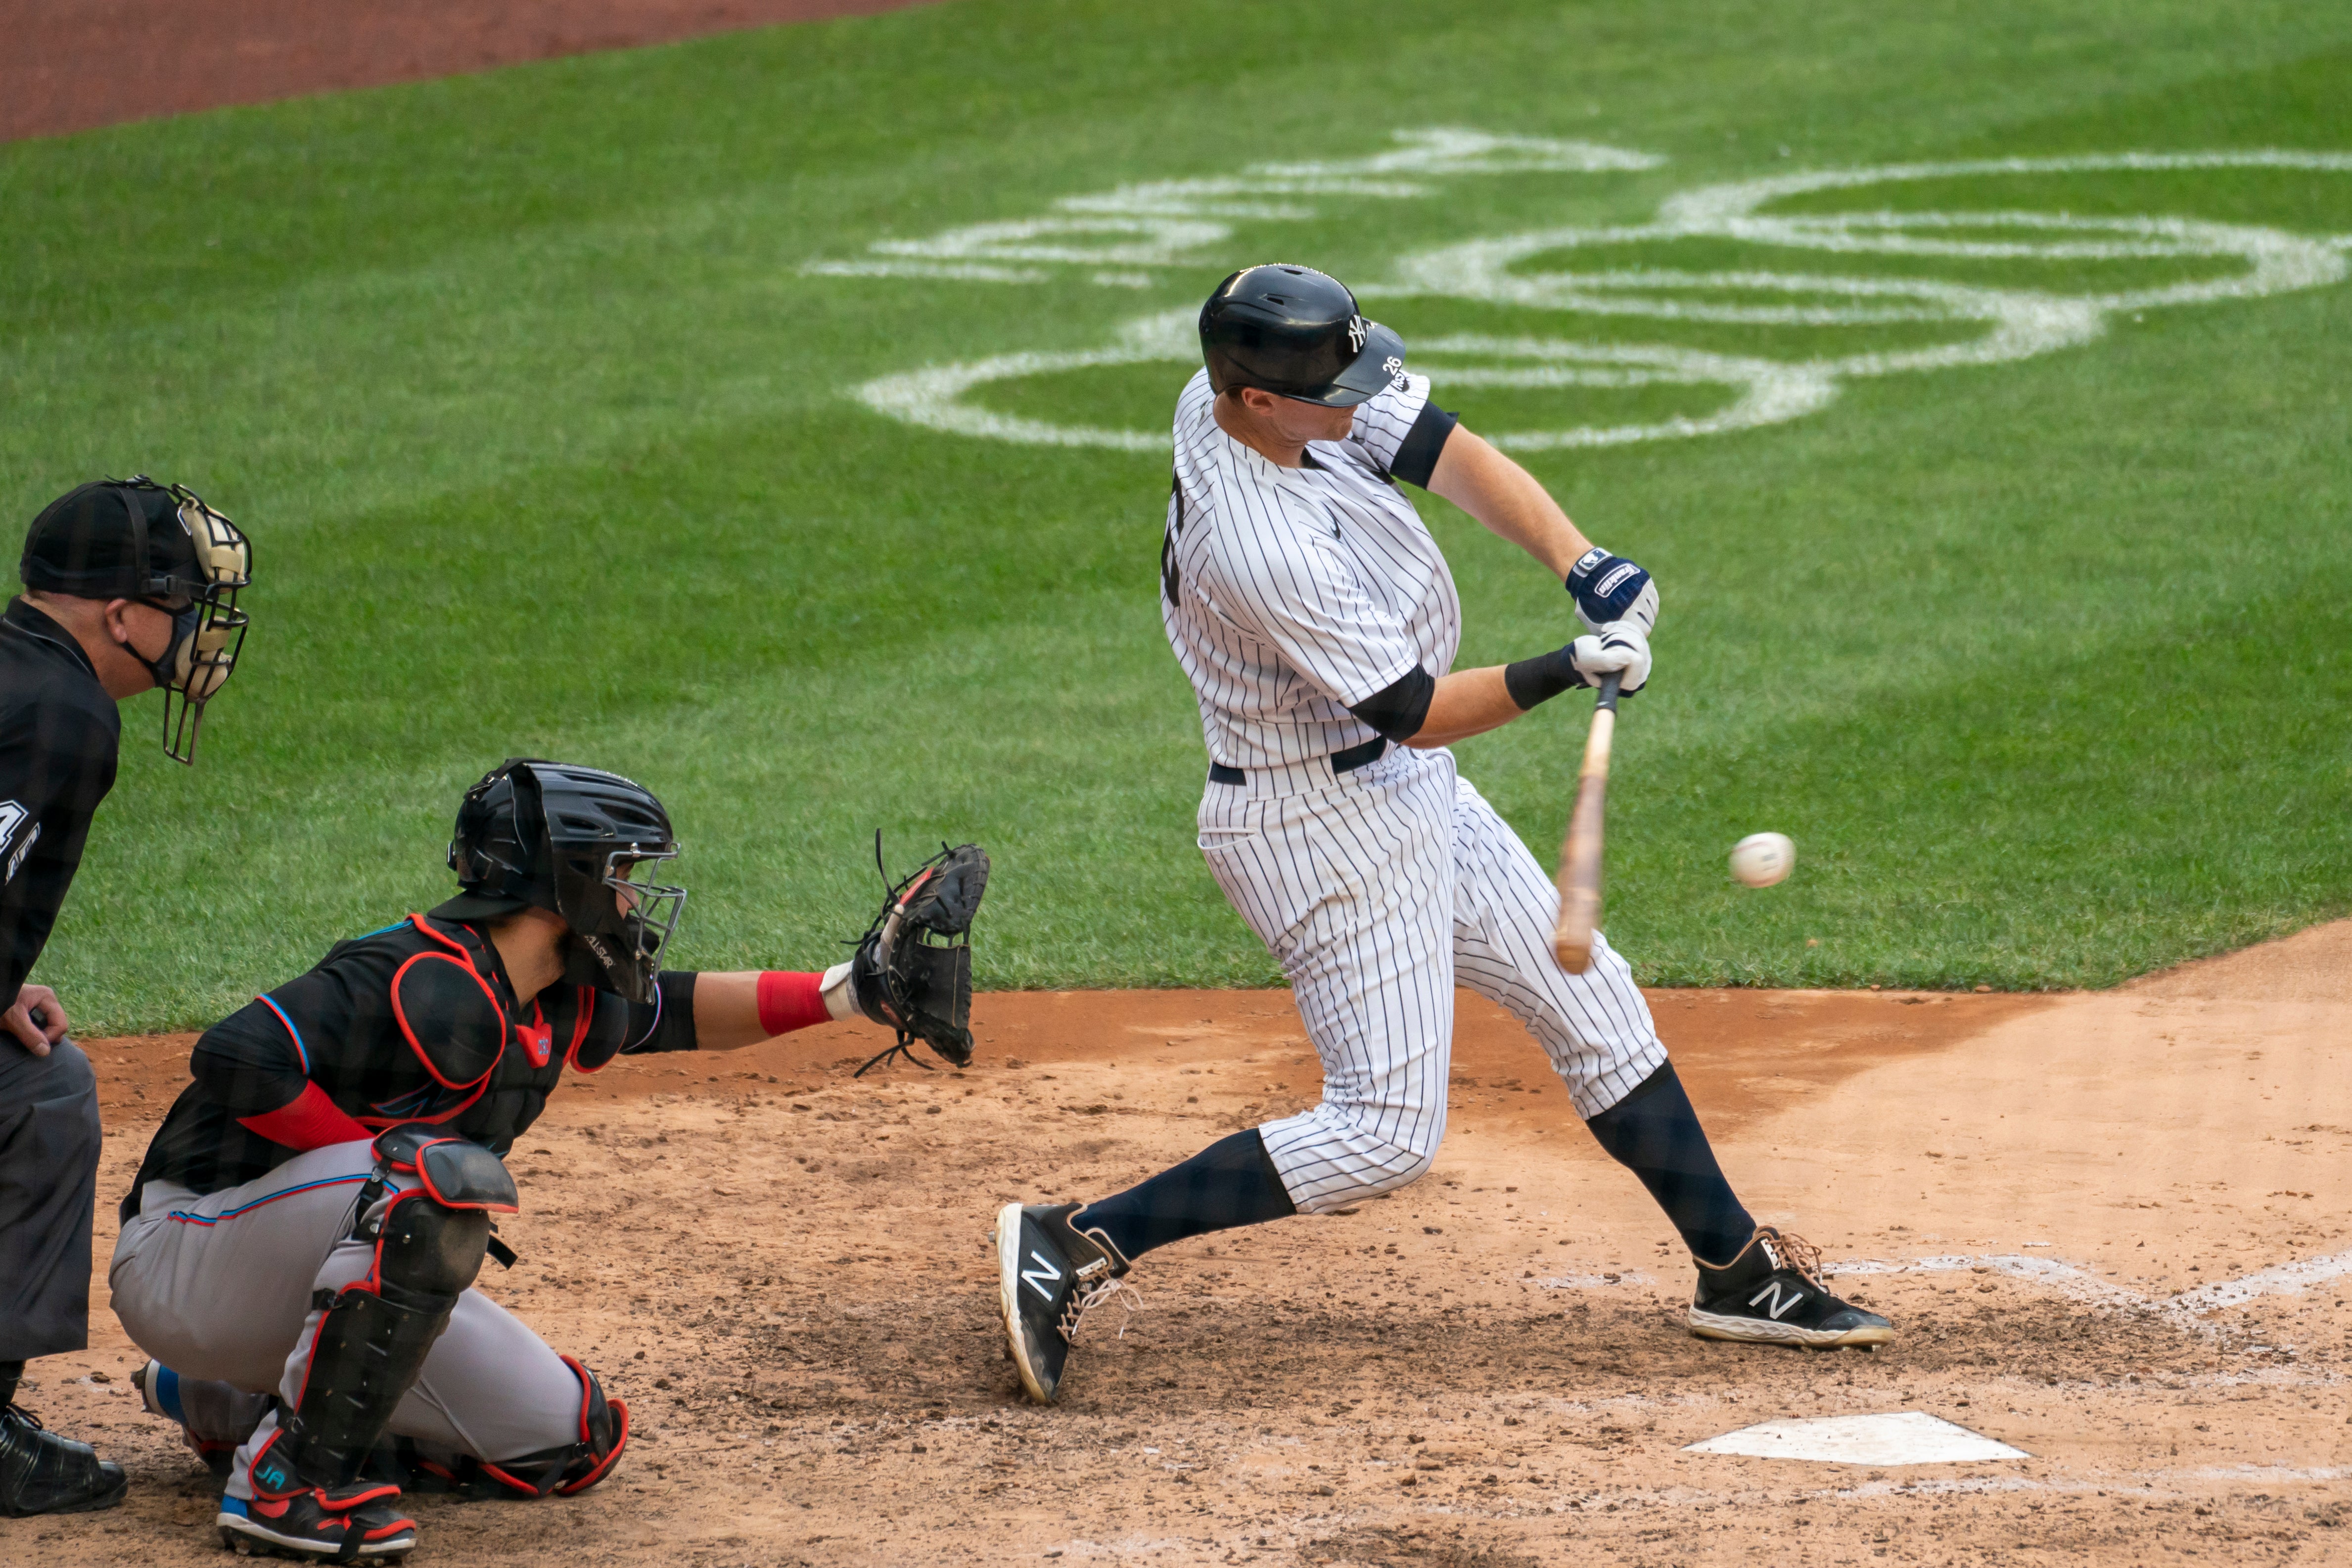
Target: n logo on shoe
<point>1772,1291</point>
<point>1037,1277</point>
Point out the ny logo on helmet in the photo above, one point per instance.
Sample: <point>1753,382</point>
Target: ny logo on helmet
<point>1358,330</point>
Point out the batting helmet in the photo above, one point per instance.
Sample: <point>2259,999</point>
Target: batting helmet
<point>1296,333</point>
<point>572,840</point>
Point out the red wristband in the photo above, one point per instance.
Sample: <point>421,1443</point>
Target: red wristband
<point>790,1001</point>
<point>310,1120</point>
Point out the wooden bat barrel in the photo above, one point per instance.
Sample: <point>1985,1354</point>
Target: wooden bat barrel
<point>1580,853</point>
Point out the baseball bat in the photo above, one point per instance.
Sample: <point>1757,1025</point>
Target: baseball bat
<point>1580,853</point>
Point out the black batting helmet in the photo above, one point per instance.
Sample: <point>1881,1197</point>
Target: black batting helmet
<point>1296,332</point>
<point>572,840</point>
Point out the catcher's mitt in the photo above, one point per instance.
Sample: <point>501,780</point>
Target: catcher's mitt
<point>910,975</point>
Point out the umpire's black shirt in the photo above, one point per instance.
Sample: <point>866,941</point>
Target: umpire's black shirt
<point>60,732</point>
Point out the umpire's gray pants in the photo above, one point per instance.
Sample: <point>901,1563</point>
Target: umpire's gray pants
<point>49,1144</point>
<point>218,1287</point>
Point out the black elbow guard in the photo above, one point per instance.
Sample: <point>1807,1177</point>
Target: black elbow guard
<point>1398,709</point>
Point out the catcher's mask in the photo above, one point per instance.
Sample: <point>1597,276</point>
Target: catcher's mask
<point>162,546</point>
<point>581,843</point>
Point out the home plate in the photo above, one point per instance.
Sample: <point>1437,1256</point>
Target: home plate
<point>1906,1438</point>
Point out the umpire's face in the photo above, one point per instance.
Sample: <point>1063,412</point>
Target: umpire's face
<point>1296,423</point>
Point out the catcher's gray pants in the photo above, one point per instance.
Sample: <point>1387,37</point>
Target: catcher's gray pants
<point>49,1144</point>
<point>218,1287</point>
<point>1379,890</point>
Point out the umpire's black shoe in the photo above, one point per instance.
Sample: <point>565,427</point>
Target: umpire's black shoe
<point>41,1472</point>
<point>1772,1294</point>
<point>1049,1273</point>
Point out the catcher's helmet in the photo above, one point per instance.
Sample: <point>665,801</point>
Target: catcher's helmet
<point>1296,332</point>
<point>572,840</point>
<point>163,547</point>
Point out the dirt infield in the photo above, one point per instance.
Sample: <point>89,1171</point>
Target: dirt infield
<point>2111,1228</point>
<point>71,65</point>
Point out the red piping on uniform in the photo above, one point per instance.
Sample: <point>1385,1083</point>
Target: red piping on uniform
<point>790,1000</point>
<point>465,954</point>
<point>425,1177</point>
<point>620,1438</point>
<point>381,1123</point>
<point>519,1484</point>
<point>586,1011</point>
<point>308,1120</point>
<point>266,1443</point>
<point>400,1015</point>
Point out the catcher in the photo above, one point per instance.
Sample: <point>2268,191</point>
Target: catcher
<point>300,1247</point>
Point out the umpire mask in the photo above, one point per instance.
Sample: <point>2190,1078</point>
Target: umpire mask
<point>586,845</point>
<point>161,545</point>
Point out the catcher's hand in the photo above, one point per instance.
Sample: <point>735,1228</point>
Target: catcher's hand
<point>910,974</point>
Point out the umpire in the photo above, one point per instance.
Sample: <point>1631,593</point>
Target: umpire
<point>128,585</point>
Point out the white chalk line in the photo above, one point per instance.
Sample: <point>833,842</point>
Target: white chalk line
<point>1126,232</point>
<point>1170,223</point>
<point>2291,1279</point>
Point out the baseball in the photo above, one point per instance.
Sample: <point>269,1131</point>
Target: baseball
<point>1761,859</point>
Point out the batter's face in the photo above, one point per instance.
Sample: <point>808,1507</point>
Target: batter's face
<point>1280,427</point>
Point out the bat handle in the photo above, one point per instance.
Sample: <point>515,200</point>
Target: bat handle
<point>1609,684</point>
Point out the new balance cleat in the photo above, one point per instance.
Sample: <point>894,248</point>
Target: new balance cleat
<point>1772,1294</point>
<point>1050,1274</point>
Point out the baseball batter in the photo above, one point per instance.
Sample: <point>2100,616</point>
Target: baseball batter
<point>1318,623</point>
<point>309,1219</point>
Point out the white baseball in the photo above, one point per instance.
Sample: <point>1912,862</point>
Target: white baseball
<point>1761,859</point>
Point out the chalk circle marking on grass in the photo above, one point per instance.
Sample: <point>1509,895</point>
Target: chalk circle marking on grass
<point>1161,224</point>
<point>1900,1438</point>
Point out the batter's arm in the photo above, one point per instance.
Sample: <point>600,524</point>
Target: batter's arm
<point>1424,712</point>
<point>1509,501</point>
<point>1464,703</point>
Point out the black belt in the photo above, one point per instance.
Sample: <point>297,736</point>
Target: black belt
<point>1345,762</point>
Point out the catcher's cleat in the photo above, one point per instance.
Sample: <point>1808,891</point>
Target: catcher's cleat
<point>41,1472</point>
<point>1772,1294</point>
<point>341,1524</point>
<point>1049,1274</point>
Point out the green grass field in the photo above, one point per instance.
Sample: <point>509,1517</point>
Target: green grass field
<point>549,443</point>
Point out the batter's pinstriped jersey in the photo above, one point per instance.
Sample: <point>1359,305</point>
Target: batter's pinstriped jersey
<point>1289,593</point>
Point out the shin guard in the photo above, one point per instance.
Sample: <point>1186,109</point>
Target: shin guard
<point>575,1466</point>
<point>369,1340</point>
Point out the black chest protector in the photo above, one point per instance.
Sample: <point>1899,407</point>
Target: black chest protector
<point>432,1032</point>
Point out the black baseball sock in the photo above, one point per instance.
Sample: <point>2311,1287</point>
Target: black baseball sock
<point>1231,1183</point>
<point>11,1372</point>
<point>1654,1133</point>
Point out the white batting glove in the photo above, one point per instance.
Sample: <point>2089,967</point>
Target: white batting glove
<point>1620,647</point>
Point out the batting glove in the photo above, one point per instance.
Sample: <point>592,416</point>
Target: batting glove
<point>1621,647</point>
<point>1609,588</point>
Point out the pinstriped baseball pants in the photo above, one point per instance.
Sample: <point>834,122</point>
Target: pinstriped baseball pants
<point>1378,891</point>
